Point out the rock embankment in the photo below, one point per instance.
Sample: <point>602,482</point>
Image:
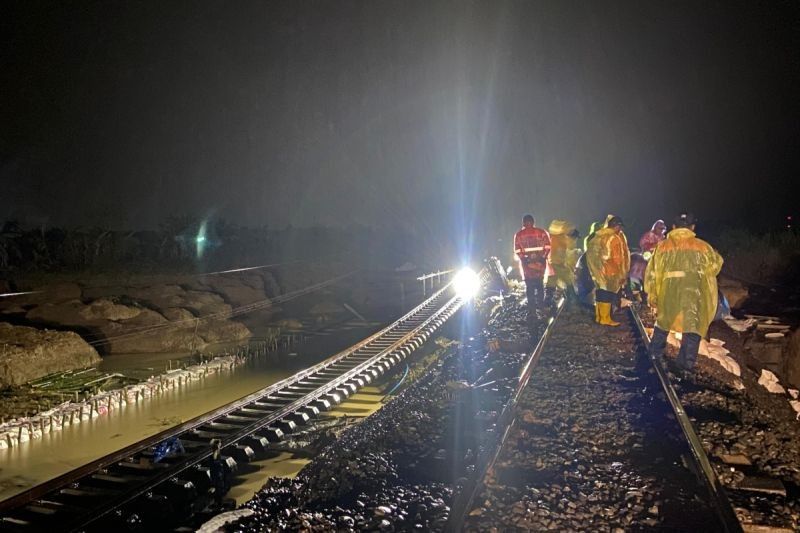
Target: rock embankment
<point>145,316</point>
<point>28,353</point>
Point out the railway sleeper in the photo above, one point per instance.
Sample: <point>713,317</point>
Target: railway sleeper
<point>323,404</point>
<point>136,468</point>
<point>181,494</point>
<point>358,381</point>
<point>286,426</point>
<point>200,476</point>
<point>268,404</point>
<point>84,496</point>
<point>310,410</point>
<point>245,418</point>
<point>213,425</point>
<point>306,386</point>
<point>259,444</point>
<point>203,435</point>
<point>333,397</point>
<point>271,433</point>
<point>242,453</point>
<point>108,481</point>
<point>299,418</point>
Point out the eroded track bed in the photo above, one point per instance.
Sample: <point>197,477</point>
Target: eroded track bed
<point>595,445</point>
<point>401,468</point>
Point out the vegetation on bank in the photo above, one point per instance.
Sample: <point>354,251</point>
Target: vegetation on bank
<point>761,258</point>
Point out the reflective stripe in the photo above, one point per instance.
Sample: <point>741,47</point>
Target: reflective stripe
<point>537,249</point>
<point>675,274</point>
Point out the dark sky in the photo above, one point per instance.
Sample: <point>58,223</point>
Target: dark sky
<point>432,115</point>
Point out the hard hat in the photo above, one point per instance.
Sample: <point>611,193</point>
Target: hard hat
<point>684,220</point>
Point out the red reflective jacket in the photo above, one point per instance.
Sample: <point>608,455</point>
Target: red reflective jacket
<point>650,240</point>
<point>532,246</point>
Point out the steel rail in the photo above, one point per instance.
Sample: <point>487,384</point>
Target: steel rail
<point>267,421</point>
<point>470,490</point>
<point>703,468</point>
<point>394,342</point>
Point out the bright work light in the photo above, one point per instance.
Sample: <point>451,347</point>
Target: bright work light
<point>466,283</point>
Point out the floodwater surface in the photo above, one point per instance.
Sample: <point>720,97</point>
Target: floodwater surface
<point>61,451</point>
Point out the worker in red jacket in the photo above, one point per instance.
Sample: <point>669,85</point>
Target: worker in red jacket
<point>651,238</point>
<point>532,246</point>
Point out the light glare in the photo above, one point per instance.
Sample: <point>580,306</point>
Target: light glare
<point>466,283</point>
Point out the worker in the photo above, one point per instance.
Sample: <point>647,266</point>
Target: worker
<point>563,258</point>
<point>681,282</point>
<point>532,247</point>
<point>609,260</point>
<point>589,236</point>
<point>651,238</point>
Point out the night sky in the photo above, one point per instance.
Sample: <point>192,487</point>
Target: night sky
<point>434,116</point>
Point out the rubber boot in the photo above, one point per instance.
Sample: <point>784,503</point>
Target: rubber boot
<point>597,312</point>
<point>604,309</point>
<point>687,356</point>
<point>658,344</point>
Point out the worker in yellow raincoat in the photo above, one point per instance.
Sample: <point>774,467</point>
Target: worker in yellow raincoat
<point>564,255</point>
<point>609,260</point>
<point>681,281</point>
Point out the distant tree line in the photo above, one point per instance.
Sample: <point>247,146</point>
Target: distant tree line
<point>184,243</point>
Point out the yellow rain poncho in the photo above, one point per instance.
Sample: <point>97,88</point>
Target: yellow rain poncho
<point>681,282</point>
<point>609,259</point>
<point>563,254</point>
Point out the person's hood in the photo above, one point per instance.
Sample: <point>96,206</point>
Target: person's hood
<point>560,227</point>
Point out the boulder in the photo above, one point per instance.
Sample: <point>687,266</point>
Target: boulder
<point>205,303</point>
<point>178,314</point>
<point>735,292</point>
<point>61,314</point>
<point>161,340</point>
<point>131,329</point>
<point>238,290</point>
<point>105,309</point>
<point>212,331</point>
<point>29,353</point>
<point>166,296</point>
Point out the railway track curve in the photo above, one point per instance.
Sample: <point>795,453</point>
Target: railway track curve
<point>134,485</point>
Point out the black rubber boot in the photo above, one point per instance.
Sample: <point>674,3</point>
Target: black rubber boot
<point>690,345</point>
<point>658,343</point>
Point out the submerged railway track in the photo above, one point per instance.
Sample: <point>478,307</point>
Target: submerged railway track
<point>134,486</point>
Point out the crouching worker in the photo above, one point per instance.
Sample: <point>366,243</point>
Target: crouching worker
<point>609,261</point>
<point>681,283</point>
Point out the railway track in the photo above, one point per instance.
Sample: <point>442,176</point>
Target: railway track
<point>594,437</point>
<point>134,487</point>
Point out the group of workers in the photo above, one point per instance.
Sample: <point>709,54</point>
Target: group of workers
<point>674,272</point>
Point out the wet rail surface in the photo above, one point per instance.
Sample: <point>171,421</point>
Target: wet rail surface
<point>132,485</point>
<point>595,444</point>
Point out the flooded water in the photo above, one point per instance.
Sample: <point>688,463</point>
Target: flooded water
<point>56,453</point>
